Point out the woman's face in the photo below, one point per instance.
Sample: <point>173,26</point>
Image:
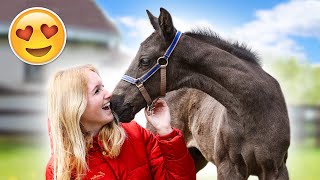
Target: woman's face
<point>98,112</point>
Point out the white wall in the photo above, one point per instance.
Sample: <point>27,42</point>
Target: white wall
<point>11,68</point>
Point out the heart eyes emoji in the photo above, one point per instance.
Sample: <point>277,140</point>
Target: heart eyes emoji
<point>47,31</point>
<point>37,36</point>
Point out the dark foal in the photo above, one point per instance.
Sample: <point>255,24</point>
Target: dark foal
<point>244,130</point>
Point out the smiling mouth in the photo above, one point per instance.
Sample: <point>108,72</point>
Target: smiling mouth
<point>106,106</point>
<point>39,52</point>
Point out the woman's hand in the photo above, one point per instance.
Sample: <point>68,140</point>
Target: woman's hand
<point>160,117</point>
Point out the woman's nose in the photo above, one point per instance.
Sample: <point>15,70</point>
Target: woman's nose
<point>107,94</point>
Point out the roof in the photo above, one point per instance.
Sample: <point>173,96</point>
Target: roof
<point>83,19</point>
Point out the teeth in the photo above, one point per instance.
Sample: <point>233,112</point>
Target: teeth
<point>106,105</point>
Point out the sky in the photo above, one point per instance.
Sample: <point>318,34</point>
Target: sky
<point>274,29</point>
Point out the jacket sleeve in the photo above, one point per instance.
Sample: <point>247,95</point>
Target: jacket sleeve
<point>168,156</point>
<point>49,169</point>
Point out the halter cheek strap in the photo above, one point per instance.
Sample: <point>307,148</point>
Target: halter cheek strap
<point>161,64</point>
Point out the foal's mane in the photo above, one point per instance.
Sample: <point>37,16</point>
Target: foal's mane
<point>237,49</point>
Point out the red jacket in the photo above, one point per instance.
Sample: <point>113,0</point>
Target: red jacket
<point>143,156</point>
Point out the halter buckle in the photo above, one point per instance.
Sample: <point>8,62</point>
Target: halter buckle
<point>162,61</point>
<point>139,83</point>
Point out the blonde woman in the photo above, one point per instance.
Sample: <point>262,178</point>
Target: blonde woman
<point>88,144</point>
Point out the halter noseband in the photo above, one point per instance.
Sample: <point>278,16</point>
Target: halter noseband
<point>161,64</point>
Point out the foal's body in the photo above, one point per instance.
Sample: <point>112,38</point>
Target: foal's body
<point>208,133</point>
<point>250,135</point>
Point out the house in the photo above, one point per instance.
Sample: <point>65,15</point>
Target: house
<point>91,38</point>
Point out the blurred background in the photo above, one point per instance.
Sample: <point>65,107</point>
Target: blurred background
<point>107,34</point>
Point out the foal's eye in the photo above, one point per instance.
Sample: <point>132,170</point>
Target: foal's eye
<point>145,62</point>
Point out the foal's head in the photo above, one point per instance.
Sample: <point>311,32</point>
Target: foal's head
<point>127,99</point>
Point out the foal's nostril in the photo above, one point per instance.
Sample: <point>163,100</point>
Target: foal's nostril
<point>111,106</point>
<point>115,102</point>
<point>124,111</point>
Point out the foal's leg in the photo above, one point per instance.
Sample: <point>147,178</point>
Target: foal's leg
<point>283,173</point>
<point>228,171</point>
<point>280,174</point>
<point>199,161</point>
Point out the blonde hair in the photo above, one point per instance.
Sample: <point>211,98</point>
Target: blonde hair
<point>67,101</point>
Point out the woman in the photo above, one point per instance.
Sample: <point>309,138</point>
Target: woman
<point>88,144</point>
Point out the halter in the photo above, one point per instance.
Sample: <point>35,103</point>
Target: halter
<point>161,64</point>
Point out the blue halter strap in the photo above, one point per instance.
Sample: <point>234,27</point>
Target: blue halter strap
<point>156,67</point>
<point>139,81</point>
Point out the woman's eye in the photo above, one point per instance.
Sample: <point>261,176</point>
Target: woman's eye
<point>97,91</point>
<point>145,62</point>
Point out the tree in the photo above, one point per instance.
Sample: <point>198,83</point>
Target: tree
<point>300,82</point>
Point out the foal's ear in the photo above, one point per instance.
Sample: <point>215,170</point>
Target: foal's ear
<point>153,20</point>
<point>166,25</point>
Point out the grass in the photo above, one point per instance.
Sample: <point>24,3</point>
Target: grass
<point>303,163</point>
<point>25,159</point>
<point>22,159</point>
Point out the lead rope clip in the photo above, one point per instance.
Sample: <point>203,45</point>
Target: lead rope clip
<point>151,107</point>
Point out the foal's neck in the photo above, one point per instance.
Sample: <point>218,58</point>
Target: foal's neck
<point>218,73</point>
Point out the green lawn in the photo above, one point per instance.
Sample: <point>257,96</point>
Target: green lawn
<point>22,159</point>
<point>25,159</point>
<point>304,163</point>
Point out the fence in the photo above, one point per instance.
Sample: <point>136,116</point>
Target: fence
<point>22,112</point>
<point>305,123</point>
